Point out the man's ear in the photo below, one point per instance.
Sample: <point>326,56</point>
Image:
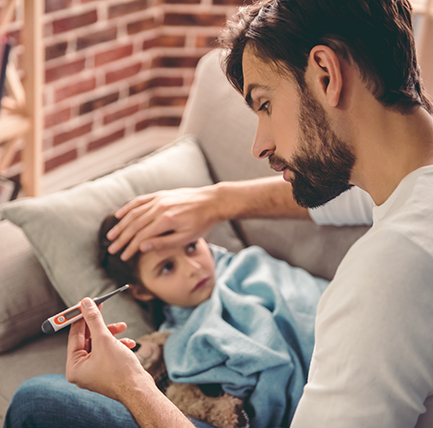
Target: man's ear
<point>326,73</point>
<point>140,293</point>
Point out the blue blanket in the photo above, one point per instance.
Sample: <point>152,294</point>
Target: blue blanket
<point>254,336</point>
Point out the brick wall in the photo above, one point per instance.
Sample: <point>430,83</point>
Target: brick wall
<point>117,67</point>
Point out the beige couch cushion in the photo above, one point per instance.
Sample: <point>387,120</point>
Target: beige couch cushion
<point>26,295</point>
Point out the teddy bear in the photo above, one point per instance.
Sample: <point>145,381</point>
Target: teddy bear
<point>206,403</point>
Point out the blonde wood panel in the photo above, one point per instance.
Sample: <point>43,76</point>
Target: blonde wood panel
<point>425,48</point>
<point>33,81</point>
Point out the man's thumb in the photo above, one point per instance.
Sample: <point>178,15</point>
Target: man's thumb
<point>92,315</point>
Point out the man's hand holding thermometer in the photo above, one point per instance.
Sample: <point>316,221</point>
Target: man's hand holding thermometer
<point>97,361</point>
<point>74,313</point>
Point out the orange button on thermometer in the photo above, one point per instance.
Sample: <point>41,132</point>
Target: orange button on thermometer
<point>72,314</point>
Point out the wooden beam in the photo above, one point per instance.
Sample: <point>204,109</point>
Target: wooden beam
<point>33,83</point>
<point>425,48</point>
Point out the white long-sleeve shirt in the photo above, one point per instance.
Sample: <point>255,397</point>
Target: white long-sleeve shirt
<point>372,366</point>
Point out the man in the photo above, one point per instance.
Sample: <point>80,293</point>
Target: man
<point>336,88</point>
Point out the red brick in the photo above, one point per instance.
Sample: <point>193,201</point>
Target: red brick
<point>57,117</point>
<point>113,55</point>
<point>55,51</point>
<point>120,114</point>
<point>159,101</point>
<point>96,38</point>
<point>182,1</point>
<point>166,121</point>
<point>61,160</point>
<point>73,133</point>
<point>231,2</point>
<point>98,103</point>
<point>108,139</point>
<point>123,73</point>
<point>73,22</point>
<point>175,62</point>
<point>195,19</point>
<point>165,41</point>
<point>142,25</point>
<point>54,5</point>
<point>126,7</point>
<point>64,70</point>
<point>143,124</point>
<point>150,43</point>
<point>79,87</point>
<point>206,42</point>
<point>158,121</point>
<point>155,82</point>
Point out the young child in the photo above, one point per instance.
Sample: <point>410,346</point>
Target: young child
<point>245,321</point>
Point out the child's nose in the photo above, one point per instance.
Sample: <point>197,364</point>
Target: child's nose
<point>194,266</point>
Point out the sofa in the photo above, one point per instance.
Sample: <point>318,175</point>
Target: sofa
<point>48,245</point>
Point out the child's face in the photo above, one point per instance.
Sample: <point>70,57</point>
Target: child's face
<point>182,276</point>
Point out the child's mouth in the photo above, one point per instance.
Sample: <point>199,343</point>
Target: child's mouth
<point>200,285</point>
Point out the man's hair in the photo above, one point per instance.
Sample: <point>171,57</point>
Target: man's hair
<point>376,34</point>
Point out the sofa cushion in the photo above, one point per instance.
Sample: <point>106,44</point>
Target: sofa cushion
<point>26,295</point>
<point>63,227</point>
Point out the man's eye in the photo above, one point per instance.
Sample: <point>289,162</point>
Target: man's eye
<point>191,247</point>
<point>167,268</point>
<point>264,107</point>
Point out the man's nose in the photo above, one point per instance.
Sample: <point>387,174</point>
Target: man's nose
<point>263,145</point>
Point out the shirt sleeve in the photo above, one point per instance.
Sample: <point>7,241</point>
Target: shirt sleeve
<point>353,207</point>
<point>372,364</point>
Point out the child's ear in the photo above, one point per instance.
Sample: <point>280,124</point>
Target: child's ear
<point>140,293</point>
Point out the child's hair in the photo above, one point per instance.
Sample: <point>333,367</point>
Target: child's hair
<point>124,272</point>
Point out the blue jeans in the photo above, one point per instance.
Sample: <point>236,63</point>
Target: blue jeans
<point>50,401</point>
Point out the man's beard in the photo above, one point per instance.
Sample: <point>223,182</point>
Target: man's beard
<point>322,163</point>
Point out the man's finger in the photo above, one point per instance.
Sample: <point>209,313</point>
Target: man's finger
<point>117,328</point>
<point>129,343</point>
<point>143,199</point>
<point>93,318</point>
<point>76,338</point>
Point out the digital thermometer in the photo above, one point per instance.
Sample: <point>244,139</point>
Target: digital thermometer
<point>72,314</point>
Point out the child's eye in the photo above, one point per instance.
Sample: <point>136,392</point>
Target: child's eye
<point>264,107</point>
<point>167,268</point>
<point>191,247</point>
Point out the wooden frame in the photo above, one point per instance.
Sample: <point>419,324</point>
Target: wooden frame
<point>425,47</point>
<point>21,114</point>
